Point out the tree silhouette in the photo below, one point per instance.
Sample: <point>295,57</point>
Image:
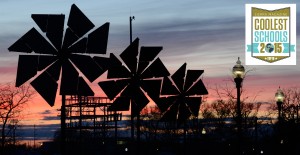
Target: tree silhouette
<point>12,101</point>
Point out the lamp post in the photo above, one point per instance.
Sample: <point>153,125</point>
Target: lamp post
<point>279,97</point>
<point>238,72</point>
<point>297,114</point>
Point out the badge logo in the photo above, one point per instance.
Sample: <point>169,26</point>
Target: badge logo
<point>270,34</point>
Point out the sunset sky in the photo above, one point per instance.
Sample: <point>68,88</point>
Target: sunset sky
<point>208,35</point>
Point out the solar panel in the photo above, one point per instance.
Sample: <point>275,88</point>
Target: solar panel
<point>57,58</point>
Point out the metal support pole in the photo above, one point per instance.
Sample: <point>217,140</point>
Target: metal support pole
<point>132,118</point>
<point>279,106</point>
<point>94,123</point>
<point>130,27</point>
<point>63,124</point>
<point>256,133</point>
<point>80,117</point>
<point>33,136</point>
<point>138,124</point>
<point>238,81</point>
<point>116,125</point>
<point>14,134</point>
<point>297,108</point>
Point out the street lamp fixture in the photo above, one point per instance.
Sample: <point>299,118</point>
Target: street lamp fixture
<point>238,72</point>
<point>203,131</point>
<point>279,97</point>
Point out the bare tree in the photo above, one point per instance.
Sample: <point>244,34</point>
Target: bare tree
<point>291,104</point>
<point>150,122</point>
<point>12,102</point>
<point>224,108</point>
<point>225,105</point>
<point>288,126</point>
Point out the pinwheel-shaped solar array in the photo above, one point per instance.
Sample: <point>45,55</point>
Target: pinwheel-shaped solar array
<point>131,82</point>
<point>182,98</point>
<point>61,54</point>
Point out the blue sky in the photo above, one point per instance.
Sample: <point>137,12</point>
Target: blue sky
<point>207,35</point>
<point>194,31</point>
